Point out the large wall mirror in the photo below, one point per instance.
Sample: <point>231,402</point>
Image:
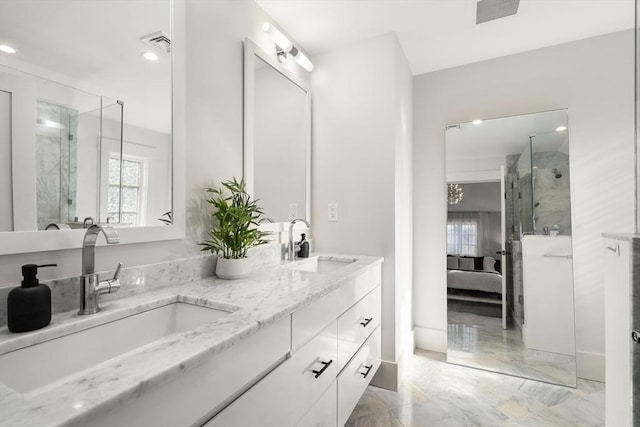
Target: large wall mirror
<point>510,302</point>
<point>277,137</point>
<point>86,113</point>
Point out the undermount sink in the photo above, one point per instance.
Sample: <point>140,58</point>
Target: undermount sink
<point>36,366</point>
<point>323,264</point>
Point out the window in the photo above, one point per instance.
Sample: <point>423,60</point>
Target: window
<point>462,238</point>
<point>132,174</point>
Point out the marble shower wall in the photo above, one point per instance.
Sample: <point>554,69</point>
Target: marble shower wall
<point>551,196</point>
<point>56,163</point>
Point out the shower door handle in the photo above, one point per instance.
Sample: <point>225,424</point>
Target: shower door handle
<point>503,253</point>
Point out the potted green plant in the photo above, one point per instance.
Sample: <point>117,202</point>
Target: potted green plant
<point>234,230</point>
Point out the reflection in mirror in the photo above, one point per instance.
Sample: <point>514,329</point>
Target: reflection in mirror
<point>279,143</point>
<point>75,154</point>
<point>509,252</point>
<point>277,153</point>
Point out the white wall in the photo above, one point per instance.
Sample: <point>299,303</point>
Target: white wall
<point>593,78</point>
<point>403,117</point>
<point>361,154</point>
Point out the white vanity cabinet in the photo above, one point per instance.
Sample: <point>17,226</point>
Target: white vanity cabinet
<point>355,378</point>
<point>335,344</point>
<point>618,261</point>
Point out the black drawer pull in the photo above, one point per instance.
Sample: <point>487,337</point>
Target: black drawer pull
<point>364,374</point>
<point>324,368</point>
<point>366,322</point>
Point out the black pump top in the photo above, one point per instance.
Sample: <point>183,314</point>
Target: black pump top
<point>30,274</point>
<point>303,237</point>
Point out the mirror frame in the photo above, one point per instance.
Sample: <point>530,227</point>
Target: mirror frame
<point>251,51</point>
<point>17,242</point>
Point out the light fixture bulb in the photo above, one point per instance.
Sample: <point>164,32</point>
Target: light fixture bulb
<point>282,55</point>
<point>476,121</point>
<point>278,38</point>
<point>561,128</point>
<point>7,49</point>
<point>151,56</point>
<point>303,61</point>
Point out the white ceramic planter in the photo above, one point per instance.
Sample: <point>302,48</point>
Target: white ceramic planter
<point>232,269</point>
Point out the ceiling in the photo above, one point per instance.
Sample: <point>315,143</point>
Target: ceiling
<point>496,138</point>
<point>439,34</point>
<point>94,45</point>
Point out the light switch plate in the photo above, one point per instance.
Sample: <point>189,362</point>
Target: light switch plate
<point>332,212</point>
<point>293,210</point>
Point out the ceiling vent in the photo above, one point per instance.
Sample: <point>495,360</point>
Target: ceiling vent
<point>159,40</point>
<point>488,10</point>
<point>453,128</point>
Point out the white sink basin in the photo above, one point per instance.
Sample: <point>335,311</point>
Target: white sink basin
<point>324,264</point>
<point>36,366</point>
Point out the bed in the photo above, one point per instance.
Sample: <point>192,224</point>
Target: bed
<point>474,279</point>
<point>484,281</point>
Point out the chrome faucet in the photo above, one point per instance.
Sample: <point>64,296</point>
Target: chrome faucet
<point>90,284</point>
<point>291,247</point>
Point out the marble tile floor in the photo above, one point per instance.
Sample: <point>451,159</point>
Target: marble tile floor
<point>480,342</point>
<point>434,393</point>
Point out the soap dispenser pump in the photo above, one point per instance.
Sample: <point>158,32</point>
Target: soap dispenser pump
<point>29,306</point>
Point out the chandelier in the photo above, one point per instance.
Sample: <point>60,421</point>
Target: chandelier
<point>454,194</point>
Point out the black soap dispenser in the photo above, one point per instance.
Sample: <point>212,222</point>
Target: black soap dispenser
<point>304,247</point>
<point>29,306</point>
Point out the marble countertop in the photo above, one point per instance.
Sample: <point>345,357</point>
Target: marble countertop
<point>628,237</point>
<point>268,295</point>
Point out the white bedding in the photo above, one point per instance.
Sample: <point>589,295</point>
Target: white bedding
<point>475,280</point>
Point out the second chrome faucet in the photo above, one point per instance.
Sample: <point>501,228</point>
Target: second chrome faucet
<point>90,284</point>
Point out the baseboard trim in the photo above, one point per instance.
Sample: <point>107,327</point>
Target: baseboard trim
<point>590,366</point>
<point>430,339</point>
<point>386,376</point>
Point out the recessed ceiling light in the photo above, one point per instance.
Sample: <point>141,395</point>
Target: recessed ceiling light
<point>561,128</point>
<point>7,49</point>
<point>476,121</point>
<point>150,56</point>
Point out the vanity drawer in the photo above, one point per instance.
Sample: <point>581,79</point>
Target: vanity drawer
<point>312,369</point>
<point>310,320</point>
<point>355,326</point>
<point>324,412</point>
<point>355,377</point>
<point>261,405</point>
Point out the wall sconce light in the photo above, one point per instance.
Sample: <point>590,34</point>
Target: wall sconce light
<point>284,47</point>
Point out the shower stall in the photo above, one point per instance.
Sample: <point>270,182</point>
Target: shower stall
<point>71,142</point>
<point>538,202</point>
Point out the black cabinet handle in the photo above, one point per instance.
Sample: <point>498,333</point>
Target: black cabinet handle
<point>366,322</point>
<point>364,374</point>
<point>324,368</point>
